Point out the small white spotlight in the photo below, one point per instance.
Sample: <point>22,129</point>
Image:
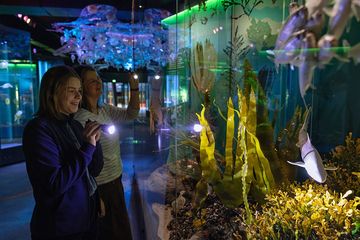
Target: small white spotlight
<point>197,127</point>
<point>135,76</point>
<point>157,76</point>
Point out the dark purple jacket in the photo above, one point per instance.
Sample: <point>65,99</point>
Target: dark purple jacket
<point>56,169</point>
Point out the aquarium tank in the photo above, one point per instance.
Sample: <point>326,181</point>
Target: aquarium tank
<point>262,111</point>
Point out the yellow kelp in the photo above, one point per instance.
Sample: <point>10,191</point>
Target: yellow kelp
<point>259,176</point>
<point>208,163</point>
<point>229,139</point>
<point>210,172</point>
<point>229,188</point>
<point>248,170</point>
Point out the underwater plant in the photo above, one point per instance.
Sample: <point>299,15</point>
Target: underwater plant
<point>347,160</point>
<point>247,171</point>
<point>203,61</point>
<point>307,211</point>
<point>234,51</point>
<point>265,129</point>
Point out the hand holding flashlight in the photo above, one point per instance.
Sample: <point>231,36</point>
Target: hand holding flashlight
<point>91,132</point>
<point>106,128</point>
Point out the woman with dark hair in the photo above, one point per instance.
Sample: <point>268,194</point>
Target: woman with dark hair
<point>114,224</point>
<point>62,161</point>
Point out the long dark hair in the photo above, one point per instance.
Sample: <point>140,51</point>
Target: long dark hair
<point>81,71</point>
<point>52,84</point>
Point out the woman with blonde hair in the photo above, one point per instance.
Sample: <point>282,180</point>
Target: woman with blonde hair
<point>114,223</point>
<point>62,161</point>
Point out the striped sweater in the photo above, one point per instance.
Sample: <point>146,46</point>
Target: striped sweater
<point>110,143</point>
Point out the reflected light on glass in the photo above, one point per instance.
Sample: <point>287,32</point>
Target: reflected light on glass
<point>135,76</point>
<point>4,64</point>
<point>159,142</point>
<point>197,127</point>
<point>157,77</point>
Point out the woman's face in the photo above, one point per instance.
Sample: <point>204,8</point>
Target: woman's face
<point>70,97</point>
<point>92,85</point>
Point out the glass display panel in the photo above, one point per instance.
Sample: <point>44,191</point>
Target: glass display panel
<point>261,105</point>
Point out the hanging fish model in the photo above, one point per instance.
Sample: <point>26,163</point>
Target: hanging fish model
<point>290,50</point>
<point>312,161</point>
<point>308,63</point>
<point>314,6</point>
<point>316,23</point>
<point>354,53</point>
<point>356,9</point>
<point>326,46</point>
<point>296,22</point>
<point>293,6</point>
<point>339,17</point>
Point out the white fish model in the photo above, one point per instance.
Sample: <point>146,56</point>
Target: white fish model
<point>316,23</point>
<point>293,6</point>
<point>290,50</point>
<point>354,53</point>
<point>314,6</point>
<point>6,85</point>
<point>308,63</point>
<point>312,161</point>
<point>356,9</point>
<point>326,45</point>
<point>294,23</point>
<point>340,15</point>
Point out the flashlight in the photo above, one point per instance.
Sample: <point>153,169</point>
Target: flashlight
<point>108,128</point>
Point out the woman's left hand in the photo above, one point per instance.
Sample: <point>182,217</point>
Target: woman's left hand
<point>91,132</point>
